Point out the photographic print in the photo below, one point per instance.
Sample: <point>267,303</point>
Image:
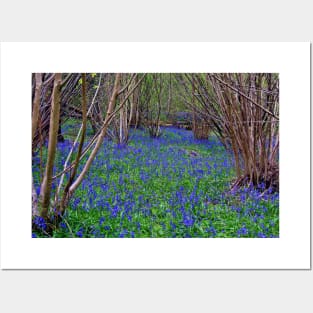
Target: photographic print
<point>155,155</point>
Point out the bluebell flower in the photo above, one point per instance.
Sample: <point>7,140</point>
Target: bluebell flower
<point>212,230</point>
<point>236,209</point>
<point>243,197</point>
<point>188,221</point>
<point>114,211</point>
<point>40,222</point>
<point>63,225</point>
<point>80,233</point>
<point>242,231</point>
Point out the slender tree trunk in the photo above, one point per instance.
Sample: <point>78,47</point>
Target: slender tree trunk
<point>121,133</point>
<point>45,190</point>
<point>193,106</point>
<point>134,103</point>
<point>169,99</point>
<point>35,119</point>
<point>36,103</point>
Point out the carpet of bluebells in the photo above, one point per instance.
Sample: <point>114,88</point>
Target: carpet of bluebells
<point>172,186</point>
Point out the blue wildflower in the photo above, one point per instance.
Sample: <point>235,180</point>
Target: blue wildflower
<point>212,230</point>
<point>40,222</point>
<point>261,235</point>
<point>101,220</point>
<point>114,211</point>
<point>80,233</point>
<point>63,225</point>
<point>242,231</point>
<point>188,221</point>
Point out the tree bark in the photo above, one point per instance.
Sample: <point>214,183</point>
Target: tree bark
<point>36,103</point>
<point>53,134</point>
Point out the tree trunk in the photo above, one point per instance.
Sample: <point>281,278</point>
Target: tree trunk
<point>36,103</point>
<point>45,190</point>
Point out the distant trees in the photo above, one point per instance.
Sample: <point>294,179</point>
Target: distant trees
<point>154,106</point>
<point>129,112</point>
<point>199,122</point>
<point>156,97</point>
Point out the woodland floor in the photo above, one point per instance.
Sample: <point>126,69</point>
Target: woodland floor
<point>173,186</point>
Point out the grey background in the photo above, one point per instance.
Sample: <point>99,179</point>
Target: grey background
<point>156,291</point>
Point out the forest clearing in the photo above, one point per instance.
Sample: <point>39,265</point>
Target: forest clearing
<point>155,155</point>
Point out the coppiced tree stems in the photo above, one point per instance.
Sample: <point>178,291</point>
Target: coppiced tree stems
<point>245,96</point>
<point>96,136</point>
<point>65,167</point>
<point>80,147</point>
<point>69,90</point>
<point>101,136</point>
<point>128,104</point>
<point>112,110</point>
<point>122,122</point>
<point>242,109</point>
